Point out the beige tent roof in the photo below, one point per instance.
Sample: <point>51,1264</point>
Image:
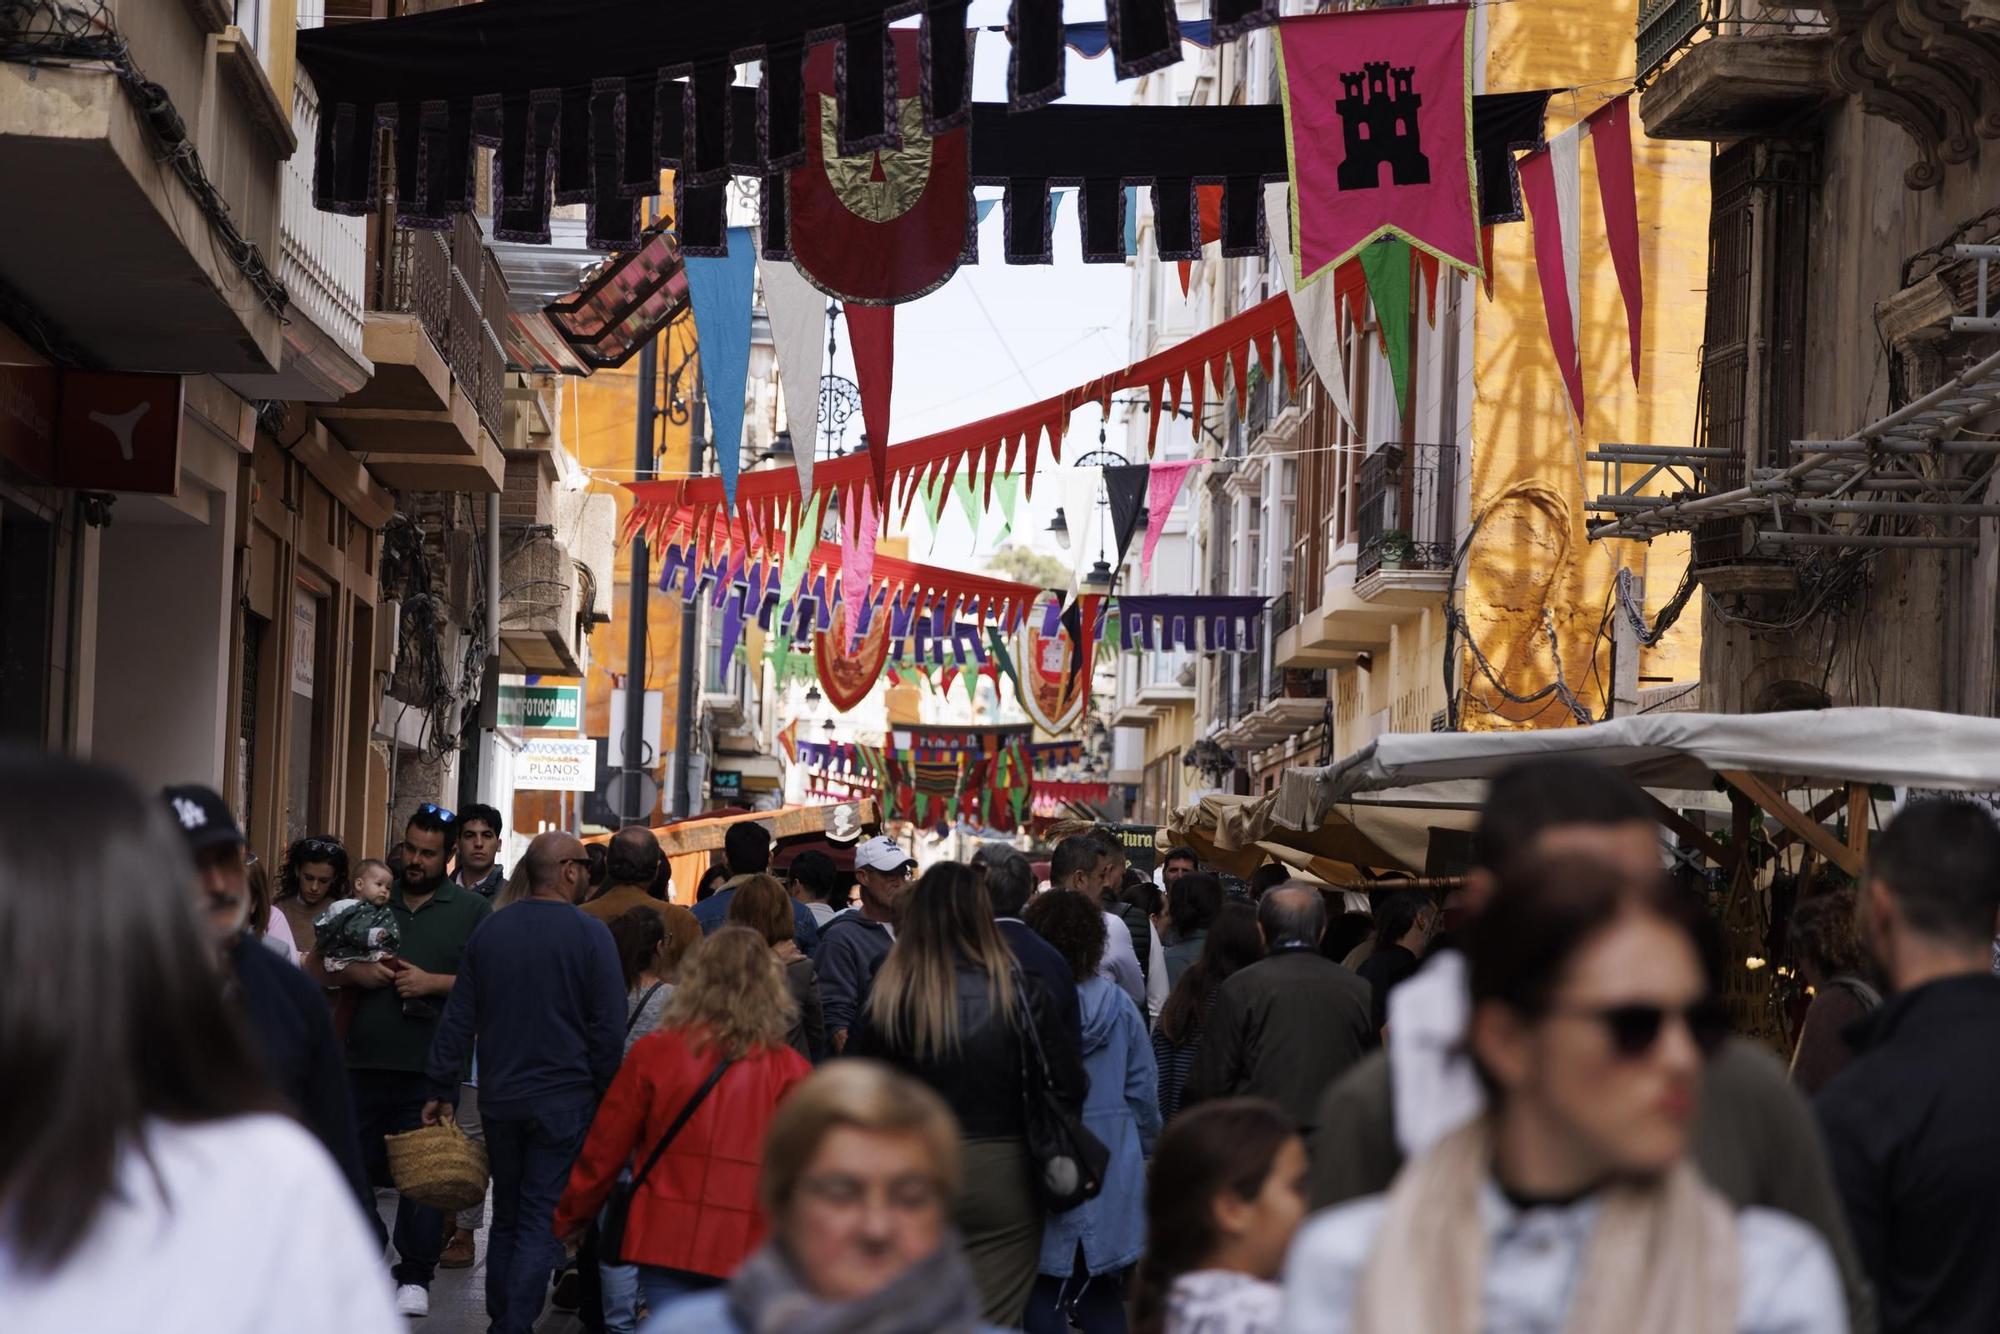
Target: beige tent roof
<point>1819,748</point>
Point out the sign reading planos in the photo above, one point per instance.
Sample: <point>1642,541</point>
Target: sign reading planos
<point>557,764</point>
<point>554,708</point>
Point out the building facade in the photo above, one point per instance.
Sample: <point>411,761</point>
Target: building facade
<point>1430,568</point>
<point>1847,374</point>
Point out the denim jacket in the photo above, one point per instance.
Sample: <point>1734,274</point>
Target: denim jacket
<point>1123,1110</point>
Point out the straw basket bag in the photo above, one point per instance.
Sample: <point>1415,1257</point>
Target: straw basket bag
<point>437,1166</point>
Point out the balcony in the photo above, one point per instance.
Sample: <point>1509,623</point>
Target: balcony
<point>431,419</point>
<point>106,236</point>
<point>323,263</point>
<point>1407,521</point>
<point>1743,67</point>
<point>1262,702</point>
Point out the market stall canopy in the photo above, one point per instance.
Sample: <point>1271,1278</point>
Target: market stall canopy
<point>706,833</point>
<point>1817,748</point>
<point>1231,832</point>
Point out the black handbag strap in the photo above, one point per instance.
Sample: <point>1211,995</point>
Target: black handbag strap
<point>1033,1059</point>
<point>640,1008</point>
<point>714,1077</point>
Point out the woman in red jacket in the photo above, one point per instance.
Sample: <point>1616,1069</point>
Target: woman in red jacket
<point>695,1216</point>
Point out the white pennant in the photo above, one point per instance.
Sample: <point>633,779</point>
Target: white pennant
<point>1080,488</point>
<point>1565,167</point>
<point>1314,306</point>
<point>798,317</point>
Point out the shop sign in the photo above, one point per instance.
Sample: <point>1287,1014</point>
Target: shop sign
<point>119,432</point>
<point>1142,849</point>
<point>725,784</point>
<point>556,764</point>
<point>539,707</point>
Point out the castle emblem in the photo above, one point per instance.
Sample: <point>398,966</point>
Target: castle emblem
<point>1378,115</point>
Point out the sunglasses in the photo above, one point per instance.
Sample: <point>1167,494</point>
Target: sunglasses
<point>322,845</point>
<point>1635,1029</point>
<point>432,808</point>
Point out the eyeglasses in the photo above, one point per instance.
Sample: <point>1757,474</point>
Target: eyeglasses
<point>321,845</point>
<point>1635,1029</point>
<point>432,808</point>
<point>576,861</point>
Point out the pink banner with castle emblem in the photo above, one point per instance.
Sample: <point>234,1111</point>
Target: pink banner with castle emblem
<point>1378,130</point>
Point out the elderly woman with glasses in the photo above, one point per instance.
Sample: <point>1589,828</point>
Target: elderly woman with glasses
<point>860,1167</point>
<point>1571,1204</point>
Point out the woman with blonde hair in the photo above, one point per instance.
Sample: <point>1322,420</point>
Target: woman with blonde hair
<point>859,1172</point>
<point>950,1006</point>
<point>1571,1203</point>
<point>687,1114</point>
<point>762,904</point>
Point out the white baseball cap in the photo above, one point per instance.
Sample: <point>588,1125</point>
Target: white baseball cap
<point>882,853</point>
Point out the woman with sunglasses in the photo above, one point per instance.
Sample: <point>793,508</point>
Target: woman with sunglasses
<point>1571,1204</point>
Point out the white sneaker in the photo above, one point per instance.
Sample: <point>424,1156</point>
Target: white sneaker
<point>413,1300</point>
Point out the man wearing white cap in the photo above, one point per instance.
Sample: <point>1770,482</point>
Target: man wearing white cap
<point>853,945</point>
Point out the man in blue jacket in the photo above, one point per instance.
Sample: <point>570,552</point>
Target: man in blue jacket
<point>541,987</point>
<point>856,941</point>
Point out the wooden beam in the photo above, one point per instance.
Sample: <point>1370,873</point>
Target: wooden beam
<point>1860,805</point>
<point>1828,804</point>
<point>1690,831</point>
<point>1775,805</point>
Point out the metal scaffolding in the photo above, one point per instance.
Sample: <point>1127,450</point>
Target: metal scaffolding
<point>1909,465</point>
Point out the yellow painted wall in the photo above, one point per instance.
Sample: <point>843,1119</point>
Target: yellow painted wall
<point>1529,476</point>
<point>599,431</point>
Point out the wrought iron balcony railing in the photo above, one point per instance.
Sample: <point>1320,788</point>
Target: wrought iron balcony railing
<point>1408,508</point>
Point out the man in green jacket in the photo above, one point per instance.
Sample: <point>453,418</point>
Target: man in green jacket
<point>1755,1138</point>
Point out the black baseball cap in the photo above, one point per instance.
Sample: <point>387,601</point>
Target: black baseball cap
<point>204,818</point>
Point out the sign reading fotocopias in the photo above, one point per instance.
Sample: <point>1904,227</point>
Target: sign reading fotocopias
<point>541,708</point>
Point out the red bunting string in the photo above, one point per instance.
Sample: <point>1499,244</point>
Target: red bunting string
<point>768,498</point>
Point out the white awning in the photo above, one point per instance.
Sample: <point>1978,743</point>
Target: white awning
<point>1817,748</point>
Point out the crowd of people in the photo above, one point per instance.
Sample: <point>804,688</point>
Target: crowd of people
<point>871,1102</point>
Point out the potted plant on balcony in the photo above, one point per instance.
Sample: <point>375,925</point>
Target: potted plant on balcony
<point>1397,548</point>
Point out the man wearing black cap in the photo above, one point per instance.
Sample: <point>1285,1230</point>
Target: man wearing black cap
<point>288,1017</point>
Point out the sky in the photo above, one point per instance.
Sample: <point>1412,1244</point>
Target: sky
<point>999,335</point>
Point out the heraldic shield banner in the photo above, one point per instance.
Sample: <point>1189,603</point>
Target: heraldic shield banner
<point>884,225</point>
<point>1378,133</point>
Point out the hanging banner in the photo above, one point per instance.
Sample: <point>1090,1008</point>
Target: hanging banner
<point>888,224</point>
<point>1378,133</point>
<point>721,291</point>
<point>1049,681</point>
<point>797,310</point>
<point>848,677</point>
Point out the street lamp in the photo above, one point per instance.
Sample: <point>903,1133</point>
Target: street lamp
<point>813,697</point>
<point>1060,527</point>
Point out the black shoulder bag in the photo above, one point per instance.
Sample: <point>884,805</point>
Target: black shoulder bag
<point>1070,1162</point>
<point>640,1008</point>
<point>611,1236</point>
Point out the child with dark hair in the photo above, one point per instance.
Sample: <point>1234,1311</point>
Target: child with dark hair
<point>1226,1192</point>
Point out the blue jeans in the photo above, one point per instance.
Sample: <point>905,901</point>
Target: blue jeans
<point>531,1158</point>
<point>388,1102</point>
<point>664,1287</point>
<point>618,1286</point>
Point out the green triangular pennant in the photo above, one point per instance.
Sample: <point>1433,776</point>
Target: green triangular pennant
<point>932,492</point>
<point>797,555</point>
<point>1386,265</point>
<point>962,488</point>
<point>1007,490</point>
